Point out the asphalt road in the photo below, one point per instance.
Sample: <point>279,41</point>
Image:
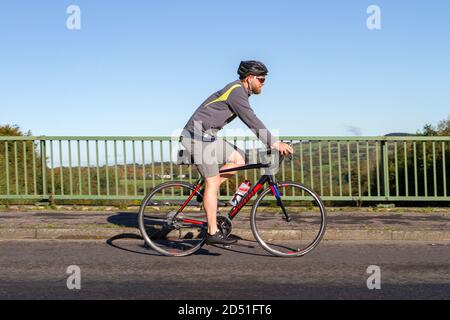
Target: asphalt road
<point>124,269</point>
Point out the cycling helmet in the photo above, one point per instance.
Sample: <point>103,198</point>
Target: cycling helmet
<point>251,67</point>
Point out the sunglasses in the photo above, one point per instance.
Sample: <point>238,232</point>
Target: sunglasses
<point>261,79</point>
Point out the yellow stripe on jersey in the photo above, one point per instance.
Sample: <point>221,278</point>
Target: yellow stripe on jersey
<point>224,96</point>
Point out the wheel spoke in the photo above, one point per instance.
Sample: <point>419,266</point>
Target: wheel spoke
<point>301,233</point>
<point>164,228</point>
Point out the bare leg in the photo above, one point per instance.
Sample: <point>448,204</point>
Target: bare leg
<point>225,176</point>
<point>235,160</point>
<point>212,185</point>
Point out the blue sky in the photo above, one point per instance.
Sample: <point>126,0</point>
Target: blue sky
<point>140,68</point>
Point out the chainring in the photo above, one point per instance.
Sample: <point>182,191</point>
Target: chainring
<point>224,225</point>
<point>172,220</point>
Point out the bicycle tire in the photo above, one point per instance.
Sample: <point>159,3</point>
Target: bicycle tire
<point>184,246</point>
<point>277,231</point>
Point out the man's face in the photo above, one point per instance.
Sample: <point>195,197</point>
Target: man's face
<point>256,83</point>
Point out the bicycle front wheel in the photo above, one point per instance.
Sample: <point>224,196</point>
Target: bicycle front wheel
<point>293,236</point>
<point>170,222</point>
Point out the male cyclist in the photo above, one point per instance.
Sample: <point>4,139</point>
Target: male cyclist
<point>199,137</point>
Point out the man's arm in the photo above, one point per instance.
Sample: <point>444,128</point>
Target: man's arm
<point>238,102</point>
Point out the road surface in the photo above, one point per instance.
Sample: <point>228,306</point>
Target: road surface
<point>124,269</point>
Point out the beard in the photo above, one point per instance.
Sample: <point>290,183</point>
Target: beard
<point>256,90</point>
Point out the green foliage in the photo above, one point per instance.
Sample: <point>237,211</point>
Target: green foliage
<point>16,163</point>
<point>429,163</point>
<point>14,130</point>
<point>442,129</point>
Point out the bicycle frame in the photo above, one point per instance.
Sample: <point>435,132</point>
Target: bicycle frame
<point>235,210</point>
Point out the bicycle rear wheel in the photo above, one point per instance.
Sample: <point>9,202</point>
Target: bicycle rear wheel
<point>170,222</point>
<point>291,238</point>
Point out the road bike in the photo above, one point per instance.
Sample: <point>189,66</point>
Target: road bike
<point>288,219</point>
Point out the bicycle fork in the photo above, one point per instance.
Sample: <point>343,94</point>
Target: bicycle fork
<point>276,194</point>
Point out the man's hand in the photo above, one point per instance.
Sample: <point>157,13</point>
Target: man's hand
<point>283,148</point>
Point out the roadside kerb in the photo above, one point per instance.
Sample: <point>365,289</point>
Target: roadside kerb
<point>330,235</point>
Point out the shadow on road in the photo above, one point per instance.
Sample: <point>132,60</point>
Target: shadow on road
<point>148,251</point>
<point>245,246</point>
<point>129,220</point>
<point>124,219</point>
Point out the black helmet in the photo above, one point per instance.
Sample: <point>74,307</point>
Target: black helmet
<point>252,67</point>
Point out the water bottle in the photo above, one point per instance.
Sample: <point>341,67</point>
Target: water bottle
<point>239,194</point>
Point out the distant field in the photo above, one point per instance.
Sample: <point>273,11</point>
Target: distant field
<point>148,182</point>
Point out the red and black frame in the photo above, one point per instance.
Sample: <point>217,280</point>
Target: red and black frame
<point>253,190</point>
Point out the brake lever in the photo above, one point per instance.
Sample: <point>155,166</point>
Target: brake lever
<point>288,156</point>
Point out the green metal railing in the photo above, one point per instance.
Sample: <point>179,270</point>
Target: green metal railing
<point>126,168</point>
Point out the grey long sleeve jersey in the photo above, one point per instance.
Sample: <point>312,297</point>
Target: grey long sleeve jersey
<point>221,108</point>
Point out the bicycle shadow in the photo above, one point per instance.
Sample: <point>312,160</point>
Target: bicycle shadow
<point>129,220</point>
<point>141,247</point>
<point>243,245</point>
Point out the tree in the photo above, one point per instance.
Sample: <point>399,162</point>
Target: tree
<point>12,130</point>
<point>442,129</point>
<point>429,163</point>
<point>17,161</point>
